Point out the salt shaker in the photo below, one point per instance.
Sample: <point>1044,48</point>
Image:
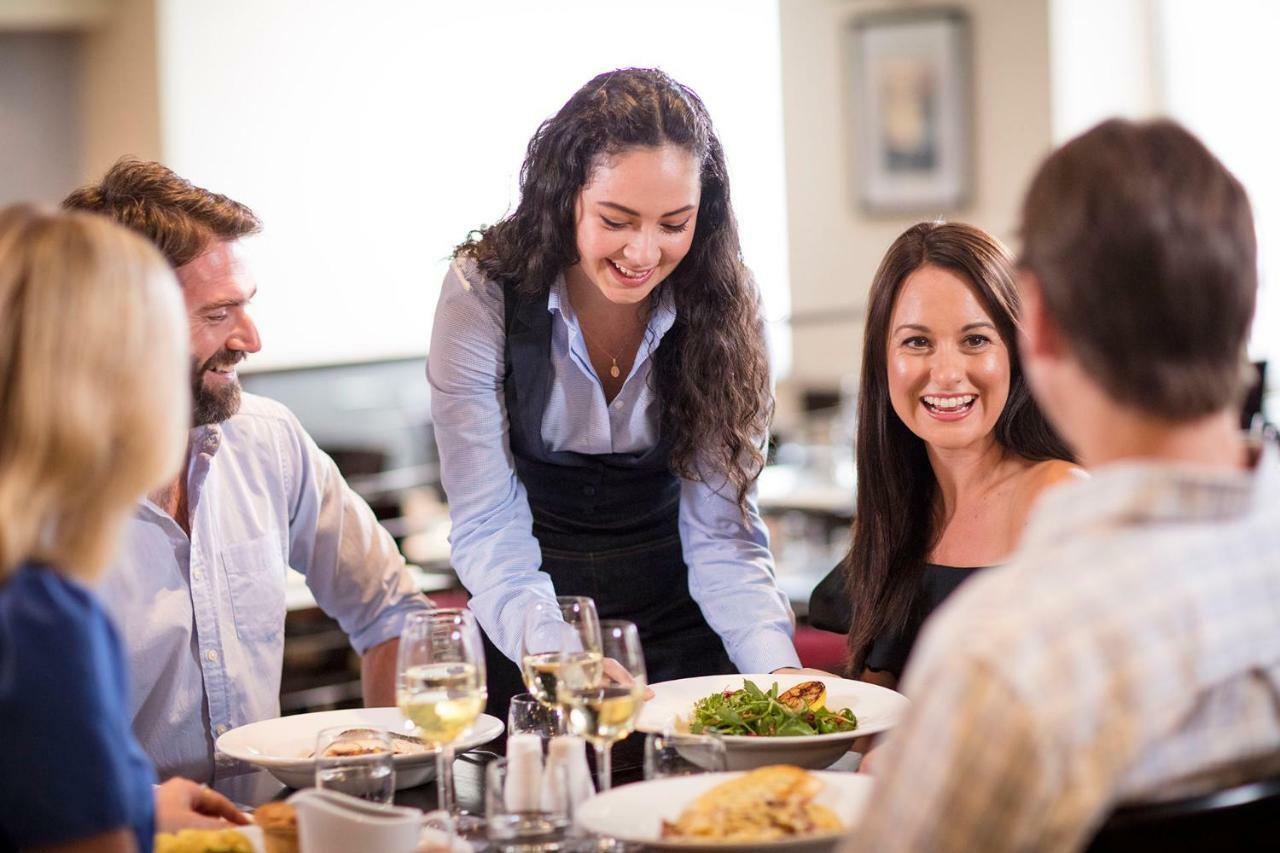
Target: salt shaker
<point>568,751</point>
<point>524,773</point>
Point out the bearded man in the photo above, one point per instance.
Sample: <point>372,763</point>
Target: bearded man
<point>199,591</point>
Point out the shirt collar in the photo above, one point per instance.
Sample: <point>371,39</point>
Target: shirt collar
<point>1146,492</point>
<point>661,319</point>
<point>201,441</point>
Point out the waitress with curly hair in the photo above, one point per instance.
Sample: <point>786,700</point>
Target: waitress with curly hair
<point>600,392</point>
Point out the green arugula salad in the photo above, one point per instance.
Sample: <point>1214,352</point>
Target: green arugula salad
<point>754,712</point>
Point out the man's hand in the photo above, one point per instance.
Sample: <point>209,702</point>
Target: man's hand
<point>618,674</point>
<point>182,804</point>
<point>378,674</point>
<point>791,670</point>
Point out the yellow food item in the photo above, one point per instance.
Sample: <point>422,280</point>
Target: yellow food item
<point>279,822</point>
<point>767,804</point>
<point>203,841</point>
<point>808,694</point>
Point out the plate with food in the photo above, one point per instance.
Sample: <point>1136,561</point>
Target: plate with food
<point>772,808</point>
<point>240,839</point>
<point>806,720</point>
<point>286,746</point>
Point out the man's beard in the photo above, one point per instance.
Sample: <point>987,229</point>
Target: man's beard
<point>213,406</point>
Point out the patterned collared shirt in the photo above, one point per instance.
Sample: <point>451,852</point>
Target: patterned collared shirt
<point>1129,651</point>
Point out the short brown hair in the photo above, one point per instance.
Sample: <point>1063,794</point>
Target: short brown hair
<point>1144,247</point>
<point>180,218</point>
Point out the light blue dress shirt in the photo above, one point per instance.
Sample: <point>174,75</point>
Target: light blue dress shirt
<point>494,551</point>
<point>202,617</point>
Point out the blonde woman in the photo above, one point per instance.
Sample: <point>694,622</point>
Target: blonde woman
<point>93,413</point>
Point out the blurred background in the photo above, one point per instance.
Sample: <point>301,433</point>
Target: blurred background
<point>371,137</point>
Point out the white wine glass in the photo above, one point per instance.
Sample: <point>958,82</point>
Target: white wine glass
<point>559,634</point>
<point>603,707</point>
<point>441,684</point>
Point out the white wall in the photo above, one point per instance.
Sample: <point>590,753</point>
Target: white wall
<point>836,247</point>
<point>1106,62</point>
<point>1212,66</point>
<point>371,137</point>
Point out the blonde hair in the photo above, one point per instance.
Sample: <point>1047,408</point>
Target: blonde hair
<point>94,403</point>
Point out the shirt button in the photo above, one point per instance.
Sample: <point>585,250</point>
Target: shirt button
<point>212,655</point>
<point>197,574</point>
<point>220,729</point>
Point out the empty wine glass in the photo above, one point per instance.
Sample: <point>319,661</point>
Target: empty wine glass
<point>527,715</point>
<point>559,635</point>
<point>603,705</point>
<point>441,685</point>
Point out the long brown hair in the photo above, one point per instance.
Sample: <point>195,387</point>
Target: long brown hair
<point>711,372</point>
<point>895,524</point>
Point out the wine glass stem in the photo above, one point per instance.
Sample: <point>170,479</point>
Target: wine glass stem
<point>603,769</point>
<point>444,779</point>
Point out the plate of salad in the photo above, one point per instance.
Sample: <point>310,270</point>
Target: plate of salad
<point>805,720</point>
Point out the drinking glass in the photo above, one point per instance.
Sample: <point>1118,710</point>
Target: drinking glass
<point>529,716</point>
<point>523,813</point>
<point>557,635</point>
<point>441,684</point>
<point>679,754</point>
<point>359,762</point>
<point>603,708</point>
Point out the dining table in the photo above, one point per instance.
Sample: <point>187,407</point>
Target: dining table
<point>250,787</point>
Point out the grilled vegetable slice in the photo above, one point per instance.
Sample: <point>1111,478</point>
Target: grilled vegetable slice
<point>809,695</point>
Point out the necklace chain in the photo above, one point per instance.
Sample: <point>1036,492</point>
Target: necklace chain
<point>614,370</point>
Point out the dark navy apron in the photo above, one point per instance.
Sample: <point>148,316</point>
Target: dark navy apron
<point>608,525</point>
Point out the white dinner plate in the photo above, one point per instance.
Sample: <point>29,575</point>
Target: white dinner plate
<point>284,745</point>
<point>877,709</point>
<point>635,812</point>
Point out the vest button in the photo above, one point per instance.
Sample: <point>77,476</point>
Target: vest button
<point>589,491</point>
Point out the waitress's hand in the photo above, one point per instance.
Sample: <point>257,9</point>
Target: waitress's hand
<point>183,804</point>
<point>617,673</point>
<point>791,670</point>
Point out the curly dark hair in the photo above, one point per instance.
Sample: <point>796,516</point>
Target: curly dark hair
<point>712,371</point>
<point>895,521</point>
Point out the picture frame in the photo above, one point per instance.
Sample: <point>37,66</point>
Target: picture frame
<point>910,111</point>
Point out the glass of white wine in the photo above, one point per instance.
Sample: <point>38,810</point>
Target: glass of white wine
<point>560,635</point>
<point>441,684</point>
<point>603,709</point>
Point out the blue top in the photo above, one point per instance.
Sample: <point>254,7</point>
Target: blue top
<point>202,616</point>
<point>70,767</point>
<point>494,550</point>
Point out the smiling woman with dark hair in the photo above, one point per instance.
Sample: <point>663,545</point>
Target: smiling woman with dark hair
<point>951,449</point>
<point>600,392</point>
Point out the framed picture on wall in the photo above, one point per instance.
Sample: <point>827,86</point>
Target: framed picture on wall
<point>909,111</point>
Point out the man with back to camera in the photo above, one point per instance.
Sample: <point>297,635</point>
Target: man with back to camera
<point>199,593</point>
<point>1129,651</point>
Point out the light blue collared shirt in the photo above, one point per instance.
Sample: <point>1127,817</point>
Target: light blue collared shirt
<point>202,617</point>
<point>494,551</point>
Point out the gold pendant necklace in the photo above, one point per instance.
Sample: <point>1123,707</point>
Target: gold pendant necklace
<point>614,370</point>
